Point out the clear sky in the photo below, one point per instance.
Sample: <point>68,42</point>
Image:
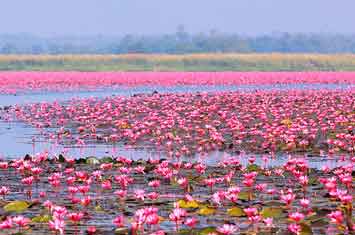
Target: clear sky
<point>118,17</point>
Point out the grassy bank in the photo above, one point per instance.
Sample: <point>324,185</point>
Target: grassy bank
<point>191,62</point>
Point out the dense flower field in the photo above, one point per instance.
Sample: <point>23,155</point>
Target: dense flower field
<point>247,190</point>
<point>157,196</point>
<point>16,82</point>
<point>184,124</point>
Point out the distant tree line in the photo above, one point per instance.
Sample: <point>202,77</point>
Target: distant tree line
<point>178,43</point>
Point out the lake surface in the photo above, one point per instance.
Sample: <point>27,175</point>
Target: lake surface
<point>25,98</point>
<point>18,139</point>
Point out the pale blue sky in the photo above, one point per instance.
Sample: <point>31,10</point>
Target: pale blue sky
<point>118,17</point>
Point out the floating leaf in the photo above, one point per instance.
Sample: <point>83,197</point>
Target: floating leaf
<point>41,219</point>
<point>313,181</point>
<point>92,161</point>
<point>194,179</point>
<point>236,212</point>
<point>206,211</point>
<point>121,231</point>
<point>245,196</point>
<point>188,204</point>
<point>306,229</point>
<point>16,206</point>
<point>207,231</point>
<point>106,160</point>
<point>319,222</point>
<point>98,208</point>
<point>61,158</point>
<point>184,232</point>
<point>253,167</point>
<point>271,212</point>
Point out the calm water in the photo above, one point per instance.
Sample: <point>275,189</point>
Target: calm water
<point>129,91</point>
<point>19,139</point>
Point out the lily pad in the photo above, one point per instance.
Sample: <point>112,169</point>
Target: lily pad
<point>206,211</point>
<point>184,232</point>
<point>16,206</point>
<point>253,167</point>
<point>319,222</point>
<point>99,209</point>
<point>61,158</point>
<point>313,181</point>
<point>244,196</point>
<point>306,229</point>
<point>207,231</point>
<point>41,219</point>
<point>188,204</point>
<point>92,161</point>
<point>106,160</point>
<point>121,231</point>
<point>236,212</point>
<point>271,212</point>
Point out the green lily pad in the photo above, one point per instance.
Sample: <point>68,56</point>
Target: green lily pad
<point>188,204</point>
<point>313,181</point>
<point>319,222</point>
<point>106,160</point>
<point>207,231</point>
<point>206,211</point>
<point>184,232</point>
<point>16,206</point>
<point>271,212</point>
<point>244,196</point>
<point>253,167</point>
<point>61,158</point>
<point>306,229</point>
<point>92,161</point>
<point>41,219</point>
<point>236,212</point>
<point>99,209</point>
<point>121,231</point>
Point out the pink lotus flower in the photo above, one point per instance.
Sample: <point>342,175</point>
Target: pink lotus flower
<point>191,222</point>
<point>154,183</point>
<point>296,216</point>
<point>119,221</point>
<point>294,228</point>
<point>304,202</point>
<point>91,230</point>
<point>336,217</point>
<point>106,185</point>
<point>268,222</point>
<point>75,217</point>
<point>227,229</point>
<point>177,215</point>
<point>21,221</point>
<point>57,225</point>
<point>7,224</point>
<point>4,191</point>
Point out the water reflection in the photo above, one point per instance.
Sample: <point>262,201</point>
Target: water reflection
<point>18,139</point>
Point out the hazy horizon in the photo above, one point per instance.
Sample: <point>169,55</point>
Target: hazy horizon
<point>118,17</point>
